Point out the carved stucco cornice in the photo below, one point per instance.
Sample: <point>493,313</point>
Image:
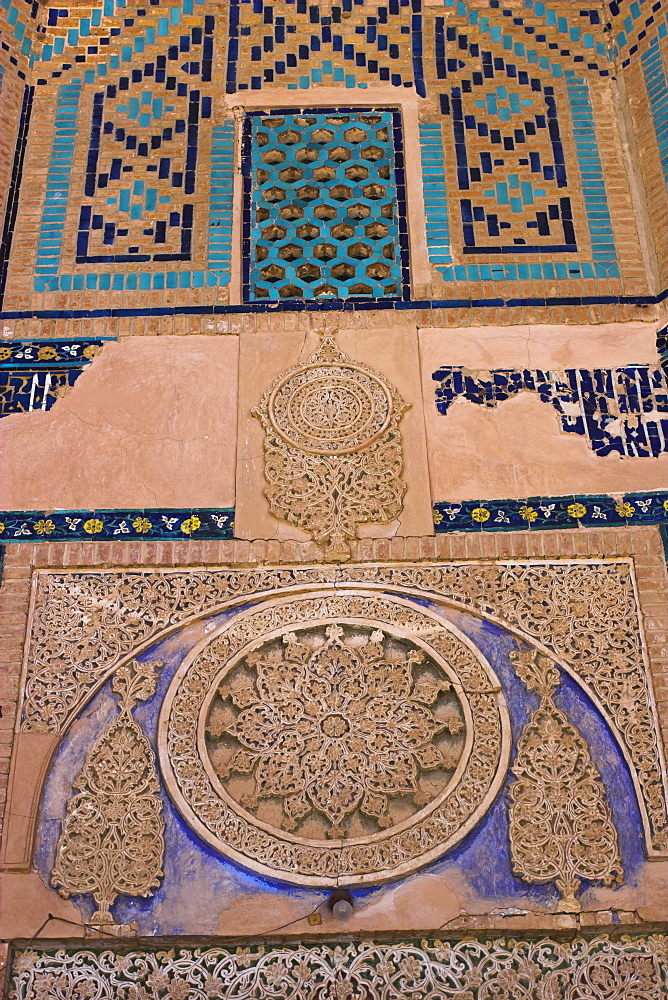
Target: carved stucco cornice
<point>85,623</point>
<point>632,967</point>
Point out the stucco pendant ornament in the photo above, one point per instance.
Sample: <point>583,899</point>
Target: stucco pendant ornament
<point>561,826</point>
<point>112,838</point>
<point>332,448</point>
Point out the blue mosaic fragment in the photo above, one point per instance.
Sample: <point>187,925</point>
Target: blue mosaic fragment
<point>620,410</point>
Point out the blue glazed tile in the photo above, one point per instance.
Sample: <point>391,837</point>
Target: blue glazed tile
<point>326,191</point>
<point>34,374</point>
<point>116,525</point>
<point>546,513</point>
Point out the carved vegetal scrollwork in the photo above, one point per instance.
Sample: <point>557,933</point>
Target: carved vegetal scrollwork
<point>332,448</point>
<point>561,827</point>
<point>84,622</point>
<point>370,738</point>
<point>595,969</point>
<point>337,721</point>
<point>111,842</point>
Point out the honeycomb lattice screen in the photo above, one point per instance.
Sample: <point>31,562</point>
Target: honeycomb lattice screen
<point>324,209</point>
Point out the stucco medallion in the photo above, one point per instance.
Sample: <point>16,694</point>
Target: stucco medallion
<point>339,735</point>
<point>332,448</point>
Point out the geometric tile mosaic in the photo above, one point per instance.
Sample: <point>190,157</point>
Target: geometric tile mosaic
<point>140,113</point>
<point>324,212</point>
<point>297,44</point>
<point>618,410</point>
<point>522,164</point>
<point>656,73</point>
<point>512,192</point>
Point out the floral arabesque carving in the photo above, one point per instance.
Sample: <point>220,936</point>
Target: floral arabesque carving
<point>332,448</point>
<point>338,722</point>
<point>561,827</point>
<point>626,969</point>
<point>111,841</point>
<point>84,623</point>
<point>587,614</point>
<point>262,843</point>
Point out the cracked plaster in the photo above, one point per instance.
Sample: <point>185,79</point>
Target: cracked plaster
<point>149,423</point>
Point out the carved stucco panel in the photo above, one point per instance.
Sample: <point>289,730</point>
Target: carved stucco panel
<point>627,969</point>
<point>324,683</point>
<point>85,623</point>
<point>332,448</point>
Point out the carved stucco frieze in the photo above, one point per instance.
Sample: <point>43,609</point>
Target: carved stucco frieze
<point>332,448</point>
<point>626,969</point>
<point>85,623</point>
<point>381,731</point>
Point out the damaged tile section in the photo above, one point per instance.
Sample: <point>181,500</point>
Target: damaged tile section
<point>618,410</point>
<point>35,373</point>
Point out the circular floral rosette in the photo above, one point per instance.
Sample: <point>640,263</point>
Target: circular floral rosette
<point>339,735</point>
<point>330,409</point>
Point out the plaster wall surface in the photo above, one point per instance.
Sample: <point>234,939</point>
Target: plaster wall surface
<point>150,423</point>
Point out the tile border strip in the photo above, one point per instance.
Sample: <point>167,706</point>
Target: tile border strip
<point>545,513</point>
<point>217,523</point>
<point>122,525</point>
<point>336,305</point>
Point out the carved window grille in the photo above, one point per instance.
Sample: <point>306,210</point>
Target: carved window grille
<point>324,205</point>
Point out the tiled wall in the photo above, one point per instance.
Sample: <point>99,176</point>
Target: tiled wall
<point>128,203</point>
<point>301,45</point>
<point>19,24</point>
<point>639,39</point>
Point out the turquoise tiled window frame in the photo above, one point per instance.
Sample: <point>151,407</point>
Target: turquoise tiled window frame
<point>394,239</point>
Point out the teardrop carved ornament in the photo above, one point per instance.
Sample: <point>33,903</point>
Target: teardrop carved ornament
<point>332,448</point>
<point>561,826</point>
<point>112,838</point>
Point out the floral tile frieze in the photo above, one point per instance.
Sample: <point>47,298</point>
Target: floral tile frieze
<point>540,513</point>
<point>154,524</point>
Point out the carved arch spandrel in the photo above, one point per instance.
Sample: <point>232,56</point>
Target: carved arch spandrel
<point>128,611</point>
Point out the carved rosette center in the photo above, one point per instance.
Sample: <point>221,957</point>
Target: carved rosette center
<point>338,735</point>
<point>335,726</point>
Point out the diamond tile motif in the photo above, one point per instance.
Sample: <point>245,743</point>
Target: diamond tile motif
<point>324,205</point>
